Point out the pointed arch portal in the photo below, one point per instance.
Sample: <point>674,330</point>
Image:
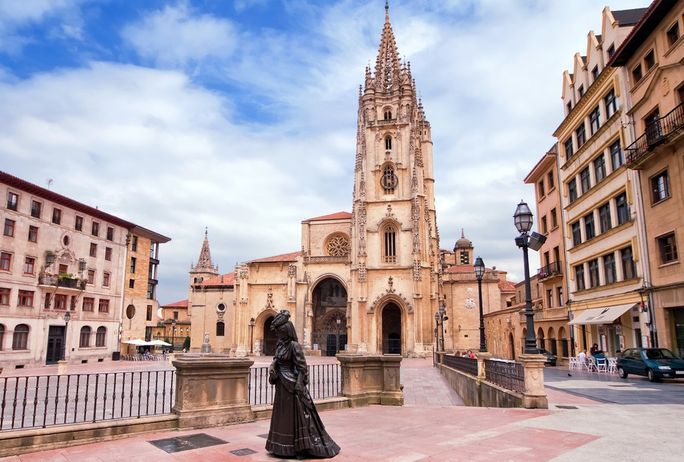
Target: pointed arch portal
<point>329,327</point>
<point>391,329</point>
<point>270,338</point>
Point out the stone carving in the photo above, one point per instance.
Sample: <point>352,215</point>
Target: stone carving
<point>417,276</point>
<point>389,213</point>
<point>269,299</point>
<point>390,285</point>
<point>292,270</point>
<point>206,348</point>
<point>362,272</point>
<point>392,296</point>
<point>338,246</point>
<point>470,298</point>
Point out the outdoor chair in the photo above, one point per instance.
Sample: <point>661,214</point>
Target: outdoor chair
<point>601,365</point>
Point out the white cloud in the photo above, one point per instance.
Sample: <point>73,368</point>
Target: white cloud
<point>175,36</point>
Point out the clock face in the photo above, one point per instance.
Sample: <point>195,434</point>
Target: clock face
<point>390,181</point>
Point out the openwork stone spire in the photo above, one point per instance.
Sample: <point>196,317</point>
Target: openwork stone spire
<point>204,261</point>
<point>387,64</point>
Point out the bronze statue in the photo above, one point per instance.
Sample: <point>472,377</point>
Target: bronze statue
<point>296,428</point>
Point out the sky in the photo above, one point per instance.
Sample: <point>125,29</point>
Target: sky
<point>240,116</point>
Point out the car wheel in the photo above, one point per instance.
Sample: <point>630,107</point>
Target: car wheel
<point>622,373</point>
<point>651,376</point>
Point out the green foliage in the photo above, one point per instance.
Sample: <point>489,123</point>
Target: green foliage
<point>186,344</point>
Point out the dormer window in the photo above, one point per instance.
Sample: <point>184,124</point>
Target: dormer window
<point>388,143</point>
<point>580,91</point>
<point>594,73</point>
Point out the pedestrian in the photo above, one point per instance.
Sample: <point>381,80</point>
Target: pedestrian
<point>471,355</point>
<point>582,357</point>
<point>594,349</point>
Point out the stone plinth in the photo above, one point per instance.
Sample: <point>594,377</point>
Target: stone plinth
<point>482,356</point>
<point>535,395</point>
<point>211,390</point>
<point>371,379</point>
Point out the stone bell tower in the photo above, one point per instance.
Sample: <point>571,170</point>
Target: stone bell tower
<point>395,241</point>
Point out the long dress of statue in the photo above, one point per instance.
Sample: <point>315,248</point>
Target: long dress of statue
<point>296,428</point>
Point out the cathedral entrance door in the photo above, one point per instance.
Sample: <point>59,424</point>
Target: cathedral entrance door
<point>391,329</point>
<point>270,338</point>
<point>329,303</point>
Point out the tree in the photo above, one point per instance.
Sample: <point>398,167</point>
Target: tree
<point>186,344</point>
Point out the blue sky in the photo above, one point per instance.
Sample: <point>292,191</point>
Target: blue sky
<point>241,116</point>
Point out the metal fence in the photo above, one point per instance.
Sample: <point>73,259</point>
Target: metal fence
<point>45,400</point>
<point>506,374</point>
<point>325,381</point>
<point>467,365</point>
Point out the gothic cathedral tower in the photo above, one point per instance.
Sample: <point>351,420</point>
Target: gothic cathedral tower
<point>395,242</point>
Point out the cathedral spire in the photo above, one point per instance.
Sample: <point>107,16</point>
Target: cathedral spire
<point>387,64</point>
<point>204,262</point>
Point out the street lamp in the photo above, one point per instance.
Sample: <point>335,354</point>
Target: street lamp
<point>67,318</point>
<point>338,321</point>
<point>252,323</point>
<point>523,222</point>
<point>440,317</point>
<point>437,330</point>
<point>479,273</point>
<point>173,335</point>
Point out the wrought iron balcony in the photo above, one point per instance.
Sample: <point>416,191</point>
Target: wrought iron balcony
<point>660,131</point>
<point>552,269</point>
<point>61,281</point>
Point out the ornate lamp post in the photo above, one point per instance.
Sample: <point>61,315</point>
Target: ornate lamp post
<point>437,330</point>
<point>252,323</point>
<point>479,273</point>
<point>523,222</point>
<point>338,321</point>
<point>67,318</point>
<point>173,335</point>
<point>440,317</point>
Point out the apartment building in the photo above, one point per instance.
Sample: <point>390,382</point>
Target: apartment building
<point>62,266</point>
<point>605,257</point>
<point>650,62</point>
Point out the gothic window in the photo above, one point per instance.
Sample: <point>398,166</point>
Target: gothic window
<point>389,250</point>
<point>389,179</point>
<point>220,329</point>
<point>388,113</point>
<point>338,246</point>
<point>388,143</point>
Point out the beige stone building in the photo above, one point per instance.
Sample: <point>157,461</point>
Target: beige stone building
<point>650,62</point>
<point>606,258</point>
<point>58,257</point>
<point>173,324</point>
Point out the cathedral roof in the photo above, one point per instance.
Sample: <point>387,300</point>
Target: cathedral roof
<point>332,216</point>
<point>222,280</point>
<point>506,286</point>
<point>463,243</point>
<point>178,304</point>
<point>279,258</point>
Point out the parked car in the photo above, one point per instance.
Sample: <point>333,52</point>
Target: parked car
<point>550,357</point>
<point>654,363</point>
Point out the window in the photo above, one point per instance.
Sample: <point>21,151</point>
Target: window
<point>25,298</point>
<point>103,307</point>
<point>604,217</point>
<point>572,190</point>
<point>673,34</point>
<point>649,60</point>
<point>5,261</point>
<point>131,283</point>
<point>48,300</point>
<point>91,276</point>
<point>628,268</point>
<point>616,157</point>
<point>594,73</point>
<point>559,296</point>
<point>569,107</point>
<point>151,288</point>
<point>56,216</point>
<point>95,230</point>
<point>36,208</point>
<point>88,304</point>
<point>63,269</point>
<point>100,336</point>
<point>389,179</point>
<point>108,253</point>
<point>93,249</point>
<point>220,329</point>
<point>660,187</point>
<point>60,302</point>
<point>29,265</point>
<point>549,298</point>
<point>388,143</point>
<point>84,340</point>
<point>600,168</point>
<point>132,268</point>
<point>550,180</point>
<point>580,91</point>
<point>12,201</point>
<point>585,180</point>
<point>20,337</point>
<point>78,224</point>
<point>110,233</point>
<point>636,74</point>
<point>579,277</point>
<point>568,148</point>
<point>611,50</point>
<point>390,245</point>
<point>622,208</point>
<point>540,188</point>
<point>589,228</point>
<point>4,295</point>
<point>106,277</point>
<point>134,244</point>
<point>593,273</point>
<point>465,257</point>
<point>388,114</point>
<point>9,227</point>
<point>148,316</point>
<point>554,218</point>
<point>609,268</point>
<point>33,234</point>
<point>544,227</point>
<point>581,135</point>
<point>2,335</point>
<point>611,103</point>
<point>667,247</point>
<point>595,120</point>
<point>576,233</point>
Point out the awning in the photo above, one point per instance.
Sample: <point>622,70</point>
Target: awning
<point>600,315</point>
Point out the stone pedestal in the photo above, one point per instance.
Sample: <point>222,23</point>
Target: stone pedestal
<point>481,357</point>
<point>371,379</point>
<point>211,390</point>
<point>61,367</point>
<point>535,395</point>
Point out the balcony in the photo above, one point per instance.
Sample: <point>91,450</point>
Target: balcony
<point>62,281</point>
<point>660,131</point>
<point>554,269</point>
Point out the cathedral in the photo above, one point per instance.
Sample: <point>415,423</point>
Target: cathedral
<point>368,281</point>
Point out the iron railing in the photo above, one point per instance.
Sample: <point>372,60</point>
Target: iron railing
<point>552,269</point>
<point>47,400</point>
<point>325,381</point>
<point>507,374</point>
<point>467,365</point>
<point>657,132</point>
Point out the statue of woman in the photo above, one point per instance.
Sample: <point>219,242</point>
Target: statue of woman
<point>296,428</point>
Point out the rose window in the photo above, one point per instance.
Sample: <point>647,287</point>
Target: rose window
<point>338,246</point>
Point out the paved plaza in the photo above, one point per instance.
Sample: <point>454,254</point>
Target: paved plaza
<point>433,425</point>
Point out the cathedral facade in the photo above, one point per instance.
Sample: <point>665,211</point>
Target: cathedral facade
<point>366,281</point>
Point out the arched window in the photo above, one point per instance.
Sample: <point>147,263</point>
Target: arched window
<point>84,339</point>
<point>388,143</point>
<point>220,329</point>
<point>2,335</point>
<point>389,250</point>
<point>100,336</point>
<point>20,337</point>
<point>388,113</point>
<point>389,179</point>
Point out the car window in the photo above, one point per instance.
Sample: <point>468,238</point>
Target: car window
<point>659,353</point>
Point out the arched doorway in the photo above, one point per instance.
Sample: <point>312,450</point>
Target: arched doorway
<point>329,325</point>
<point>540,339</point>
<point>552,341</point>
<point>270,338</point>
<point>391,329</point>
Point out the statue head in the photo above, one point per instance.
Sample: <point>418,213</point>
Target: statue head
<point>283,327</point>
